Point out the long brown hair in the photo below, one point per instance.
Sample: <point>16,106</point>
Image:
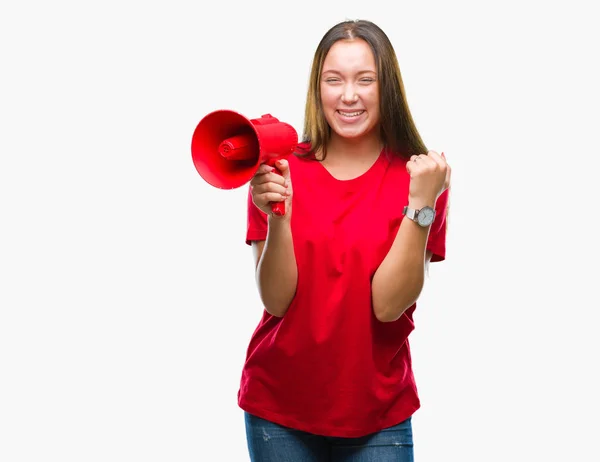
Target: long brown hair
<point>398,131</point>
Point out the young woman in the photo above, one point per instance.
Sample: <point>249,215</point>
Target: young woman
<point>328,370</point>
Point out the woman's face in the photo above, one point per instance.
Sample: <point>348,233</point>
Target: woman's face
<point>350,89</point>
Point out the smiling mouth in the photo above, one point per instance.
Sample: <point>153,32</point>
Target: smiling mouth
<point>350,114</point>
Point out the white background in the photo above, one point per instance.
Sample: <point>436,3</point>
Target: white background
<point>127,293</point>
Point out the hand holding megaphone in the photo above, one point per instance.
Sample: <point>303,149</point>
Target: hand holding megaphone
<point>272,188</point>
<point>228,148</point>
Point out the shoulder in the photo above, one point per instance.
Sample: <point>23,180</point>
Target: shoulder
<point>304,149</point>
<point>395,159</point>
<point>302,156</point>
<point>394,167</point>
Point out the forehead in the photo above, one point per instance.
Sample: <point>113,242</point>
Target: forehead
<point>349,55</point>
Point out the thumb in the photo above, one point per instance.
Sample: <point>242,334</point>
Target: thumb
<point>283,167</point>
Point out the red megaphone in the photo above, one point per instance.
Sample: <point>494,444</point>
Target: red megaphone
<point>228,148</point>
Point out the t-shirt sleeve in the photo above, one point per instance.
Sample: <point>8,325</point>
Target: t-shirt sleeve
<point>257,226</point>
<point>437,234</point>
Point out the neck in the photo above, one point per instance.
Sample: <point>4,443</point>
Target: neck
<point>363,148</point>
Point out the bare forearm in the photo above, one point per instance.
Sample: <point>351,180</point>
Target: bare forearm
<point>399,279</point>
<point>277,273</point>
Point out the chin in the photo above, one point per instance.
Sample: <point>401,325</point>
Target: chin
<point>351,133</point>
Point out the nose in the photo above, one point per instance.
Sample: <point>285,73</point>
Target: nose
<point>349,95</point>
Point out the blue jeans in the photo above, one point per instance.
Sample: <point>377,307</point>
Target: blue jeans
<point>269,442</point>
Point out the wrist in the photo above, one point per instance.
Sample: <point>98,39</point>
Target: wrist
<point>418,203</point>
<point>277,223</point>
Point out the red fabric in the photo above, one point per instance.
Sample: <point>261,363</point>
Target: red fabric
<point>328,366</point>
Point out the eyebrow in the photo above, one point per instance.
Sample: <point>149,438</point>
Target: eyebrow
<point>333,71</point>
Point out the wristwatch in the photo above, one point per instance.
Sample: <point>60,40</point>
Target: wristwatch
<point>423,217</point>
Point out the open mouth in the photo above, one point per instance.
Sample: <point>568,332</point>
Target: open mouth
<point>350,114</point>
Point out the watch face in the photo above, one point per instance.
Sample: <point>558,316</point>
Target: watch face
<point>425,217</point>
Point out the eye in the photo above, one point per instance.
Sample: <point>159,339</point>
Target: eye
<point>367,80</point>
<point>332,80</point>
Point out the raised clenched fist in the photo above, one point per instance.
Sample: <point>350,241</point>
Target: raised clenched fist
<point>429,177</point>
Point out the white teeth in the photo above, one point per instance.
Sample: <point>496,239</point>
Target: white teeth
<point>351,114</point>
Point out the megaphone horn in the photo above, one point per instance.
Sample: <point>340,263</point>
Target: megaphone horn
<point>228,148</point>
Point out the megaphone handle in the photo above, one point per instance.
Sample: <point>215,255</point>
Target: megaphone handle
<point>278,208</point>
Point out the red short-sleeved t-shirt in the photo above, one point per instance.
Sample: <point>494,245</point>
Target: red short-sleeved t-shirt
<point>328,366</point>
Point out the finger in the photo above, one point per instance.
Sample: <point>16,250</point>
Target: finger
<point>413,167</point>
<point>267,197</point>
<point>422,163</point>
<point>433,155</point>
<point>269,177</point>
<point>259,175</point>
<point>440,163</point>
<point>432,159</point>
<point>264,168</point>
<point>415,163</point>
<point>274,177</point>
<point>265,188</point>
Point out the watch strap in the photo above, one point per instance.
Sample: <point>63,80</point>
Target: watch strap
<point>410,213</point>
